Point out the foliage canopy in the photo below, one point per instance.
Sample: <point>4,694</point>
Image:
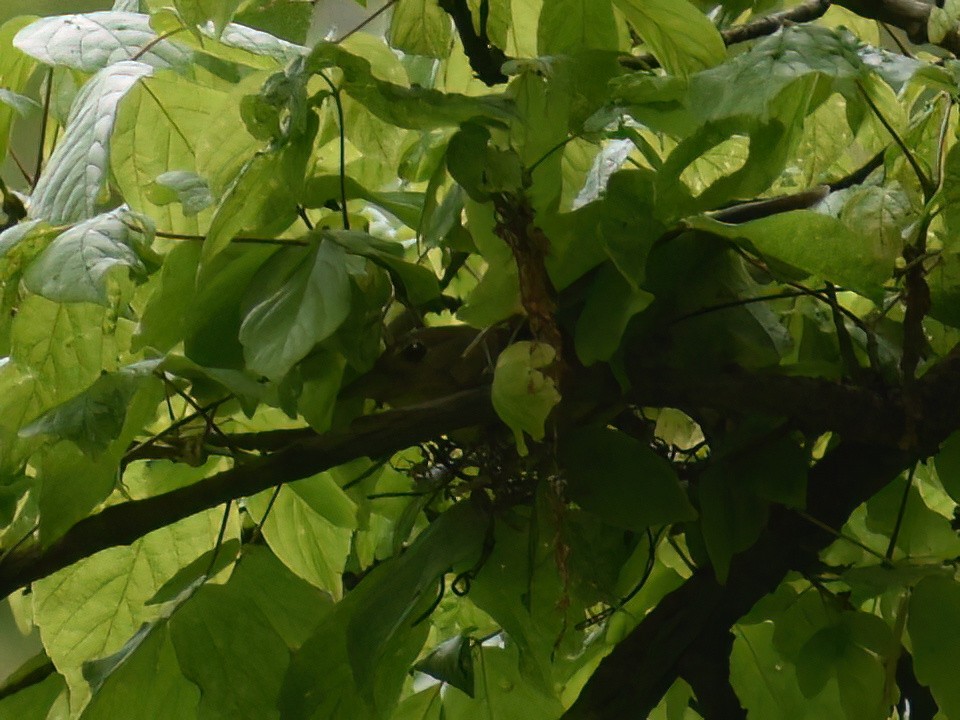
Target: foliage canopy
<point>545,358</point>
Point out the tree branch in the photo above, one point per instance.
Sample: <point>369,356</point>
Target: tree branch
<point>767,25</point>
<point>372,435</point>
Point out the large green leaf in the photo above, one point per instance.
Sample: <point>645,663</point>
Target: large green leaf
<point>160,125</point>
<point>934,626</point>
<point>818,244</point>
<point>92,41</point>
<point>70,186</point>
<point>622,481</point>
<point>150,677</point>
<point>361,653</point>
<point>415,284</point>
<point>299,298</point>
<point>91,608</point>
<point>571,25</point>
<point>414,107</point>
<point>680,36</point>
<point>267,612</point>
<point>301,535</point>
<point>420,27</point>
<point>85,263</point>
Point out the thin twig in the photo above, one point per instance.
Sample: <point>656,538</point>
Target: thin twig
<point>335,91</point>
<point>366,22</point>
<point>43,128</point>
<point>901,511</point>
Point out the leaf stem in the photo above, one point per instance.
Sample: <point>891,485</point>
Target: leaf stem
<point>901,511</point>
<point>43,128</point>
<point>335,91</point>
<point>366,22</point>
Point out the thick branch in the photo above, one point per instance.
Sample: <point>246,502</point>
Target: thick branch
<point>814,405</point>
<point>371,436</point>
<point>909,15</point>
<point>631,680</point>
<point>767,25</point>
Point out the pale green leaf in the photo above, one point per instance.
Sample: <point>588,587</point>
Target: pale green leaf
<point>93,41</point>
<point>570,25</point>
<point>62,347</point>
<point>161,126</point>
<point>187,188</point>
<point>70,186</point>
<point>236,44</point>
<point>680,36</point>
<point>303,538</point>
<point>522,394</point>
<point>84,263</point>
<point>91,608</point>
<point>263,196</point>
<point>420,27</point>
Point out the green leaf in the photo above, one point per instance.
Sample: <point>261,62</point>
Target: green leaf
<point>770,67</point>
<point>91,608</point>
<point>503,692</point>
<point>299,298</point>
<point>16,68</point>
<point>611,304</point>
<point>266,612</point>
<point>479,168</point>
<point>680,36</point>
<point>414,107</point>
<point>420,27</point>
<point>363,651</point>
<point>263,196</point>
<point>621,480</point>
<point>95,417</point>
<point>731,516</point>
<point>522,394</point>
<point>415,284</point>
<point>570,25</point>
<point>199,12</point>
<point>947,462</point>
<point>149,677</point>
<point>84,263</point>
<point>161,127</point>
<point>818,244</point>
<point>36,702</point>
<point>92,41</point>
<point>236,44</point>
<point>934,626</point>
<point>405,206</point>
<point>301,535</point>
<point>187,188</point>
<point>451,662</point>
<point>63,348</point>
<point>70,186</point>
